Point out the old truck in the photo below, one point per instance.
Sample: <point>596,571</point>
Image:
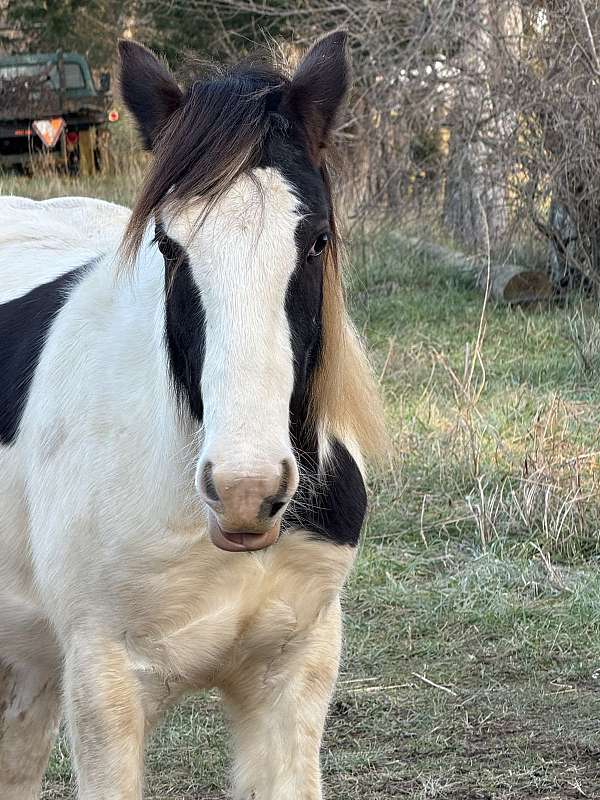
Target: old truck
<point>51,109</point>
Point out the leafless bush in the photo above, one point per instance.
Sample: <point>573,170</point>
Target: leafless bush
<point>479,117</point>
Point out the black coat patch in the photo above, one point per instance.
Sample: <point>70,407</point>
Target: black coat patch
<point>332,502</point>
<point>184,324</point>
<point>24,326</point>
<point>304,298</point>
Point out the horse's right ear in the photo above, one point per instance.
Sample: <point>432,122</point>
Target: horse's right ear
<point>319,87</point>
<point>149,90</point>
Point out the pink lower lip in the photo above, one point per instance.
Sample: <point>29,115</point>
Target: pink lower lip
<point>236,538</point>
<point>241,540</point>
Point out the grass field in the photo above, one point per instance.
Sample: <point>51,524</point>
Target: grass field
<point>472,658</point>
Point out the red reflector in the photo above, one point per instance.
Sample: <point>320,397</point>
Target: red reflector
<point>72,137</point>
<point>113,115</point>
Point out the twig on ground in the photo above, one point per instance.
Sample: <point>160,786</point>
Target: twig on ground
<point>435,685</point>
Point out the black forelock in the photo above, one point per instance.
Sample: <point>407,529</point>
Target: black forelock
<point>230,121</point>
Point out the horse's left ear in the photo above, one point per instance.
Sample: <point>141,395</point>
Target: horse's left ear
<point>319,88</point>
<point>148,88</point>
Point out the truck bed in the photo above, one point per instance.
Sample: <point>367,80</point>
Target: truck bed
<point>26,99</point>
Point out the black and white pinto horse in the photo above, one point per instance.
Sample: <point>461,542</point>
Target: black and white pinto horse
<point>183,407</point>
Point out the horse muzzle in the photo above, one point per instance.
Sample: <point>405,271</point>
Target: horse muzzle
<point>245,510</point>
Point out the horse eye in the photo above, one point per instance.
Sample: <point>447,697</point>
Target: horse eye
<point>319,246</point>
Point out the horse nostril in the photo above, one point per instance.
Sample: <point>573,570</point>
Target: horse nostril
<point>273,505</point>
<point>208,484</point>
<point>276,508</point>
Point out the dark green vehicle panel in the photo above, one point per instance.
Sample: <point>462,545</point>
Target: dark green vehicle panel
<point>78,81</point>
<point>39,86</point>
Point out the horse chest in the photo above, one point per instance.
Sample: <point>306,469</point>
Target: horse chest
<point>211,614</point>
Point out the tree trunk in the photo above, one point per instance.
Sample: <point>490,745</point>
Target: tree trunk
<point>573,148</point>
<point>508,283</point>
<point>476,202</point>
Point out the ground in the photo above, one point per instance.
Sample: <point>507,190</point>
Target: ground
<point>472,658</point>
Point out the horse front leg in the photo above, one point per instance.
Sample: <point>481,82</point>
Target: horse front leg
<point>104,711</point>
<point>29,717</point>
<point>278,711</point>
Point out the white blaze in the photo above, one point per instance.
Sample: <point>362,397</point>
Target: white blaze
<point>242,257</point>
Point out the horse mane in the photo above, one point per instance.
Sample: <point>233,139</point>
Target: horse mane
<point>215,136</point>
<point>212,139</point>
<point>344,397</point>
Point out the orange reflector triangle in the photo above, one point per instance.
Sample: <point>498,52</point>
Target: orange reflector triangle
<point>49,130</point>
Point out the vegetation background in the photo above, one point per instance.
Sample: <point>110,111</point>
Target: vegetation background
<point>472,658</point>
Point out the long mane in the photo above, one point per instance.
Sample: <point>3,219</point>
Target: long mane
<point>345,399</point>
<point>216,135</point>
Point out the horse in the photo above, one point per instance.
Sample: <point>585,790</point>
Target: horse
<point>185,408</point>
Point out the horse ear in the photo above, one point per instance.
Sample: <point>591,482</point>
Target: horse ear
<point>319,87</point>
<point>149,90</point>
